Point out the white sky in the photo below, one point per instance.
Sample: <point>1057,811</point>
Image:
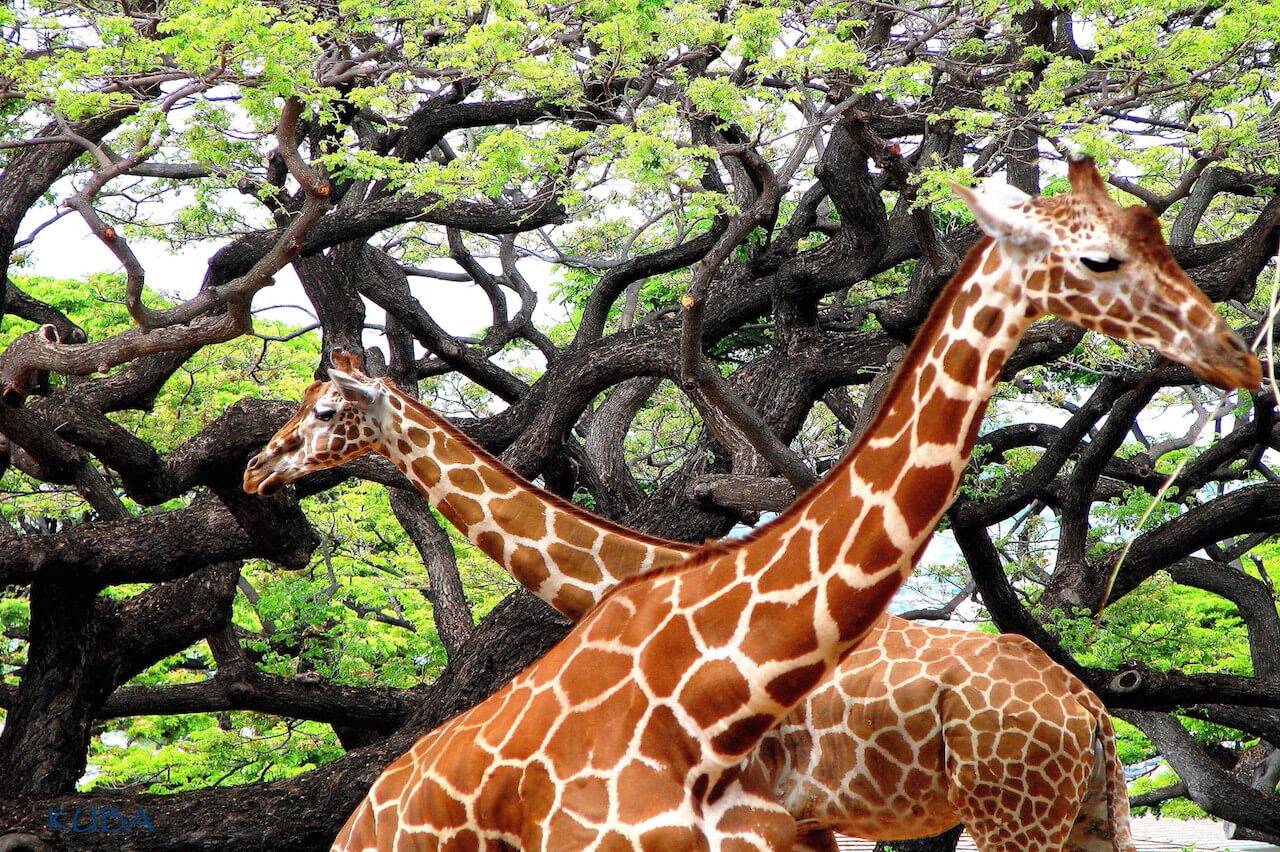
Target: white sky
<point>67,249</point>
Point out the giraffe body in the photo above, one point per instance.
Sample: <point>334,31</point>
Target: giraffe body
<point>702,658</point>
<point>921,728</point>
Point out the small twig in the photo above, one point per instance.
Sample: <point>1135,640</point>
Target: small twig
<point>35,232</point>
<point>1124,551</point>
<point>1188,441</point>
<point>285,338</point>
<point>947,610</point>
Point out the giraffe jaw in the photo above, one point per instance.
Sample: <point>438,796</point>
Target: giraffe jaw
<point>273,484</point>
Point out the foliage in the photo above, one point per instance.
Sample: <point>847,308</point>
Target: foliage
<point>168,754</point>
<point>311,623</point>
<point>1169,626</point>
<point>1179,808</point>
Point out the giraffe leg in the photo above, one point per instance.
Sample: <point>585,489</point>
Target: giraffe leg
<point>816,841</point>
<point>1019,815</point>
<point>1096,828</point>
<point>993,836</point>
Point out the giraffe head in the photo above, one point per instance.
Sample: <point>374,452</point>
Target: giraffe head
<point>337,421</point>
<point>1107,268</point>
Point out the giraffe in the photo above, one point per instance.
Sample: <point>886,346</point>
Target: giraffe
<point>907,700</point>
<point>633,731</point>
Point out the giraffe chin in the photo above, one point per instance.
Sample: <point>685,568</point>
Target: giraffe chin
<point>273,484</point>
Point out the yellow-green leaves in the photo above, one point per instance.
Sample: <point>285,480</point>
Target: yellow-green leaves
<point>721,99</point>
<point>755,28</point>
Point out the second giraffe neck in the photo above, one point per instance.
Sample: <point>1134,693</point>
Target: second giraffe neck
<point>553,548</point>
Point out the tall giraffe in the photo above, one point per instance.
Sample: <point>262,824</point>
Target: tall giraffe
<point>944,716</point>
<point>633,730</point>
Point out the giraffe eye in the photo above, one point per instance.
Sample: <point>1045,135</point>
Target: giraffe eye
<point>325,415</point>
<point>1110,264</point>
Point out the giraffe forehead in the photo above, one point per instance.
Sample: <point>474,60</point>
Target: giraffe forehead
<point>1078,222</point>
<point>330,397</point>
<point>1074,230</point>
<point>309,398</point>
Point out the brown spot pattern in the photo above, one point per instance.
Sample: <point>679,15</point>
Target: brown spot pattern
<point>715,690</point>
<point>521,515</point>
<point>667,656</point>
<point>427,471</point>
<point>768,620</point>
<point>466,479</point>
<point>529,567</point>
<point>462,512</point>
<point>917,509</point>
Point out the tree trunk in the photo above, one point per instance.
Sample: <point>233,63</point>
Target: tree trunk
<point>45,741</point>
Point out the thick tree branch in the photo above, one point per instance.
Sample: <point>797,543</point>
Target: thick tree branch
<point>374,708</point>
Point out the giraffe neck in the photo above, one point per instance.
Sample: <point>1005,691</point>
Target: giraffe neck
<point>874,513</point>
<point>802,590</point>
<point>553,548</point>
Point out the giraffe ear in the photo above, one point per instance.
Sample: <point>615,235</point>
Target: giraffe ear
<point>353,390</point>
<point>1000,213</point>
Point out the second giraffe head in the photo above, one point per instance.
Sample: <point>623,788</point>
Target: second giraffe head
<point>338,421</point>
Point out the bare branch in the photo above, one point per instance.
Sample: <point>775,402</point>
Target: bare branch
<point>189,325</point>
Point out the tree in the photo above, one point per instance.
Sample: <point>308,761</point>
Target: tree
<point>782,166</point>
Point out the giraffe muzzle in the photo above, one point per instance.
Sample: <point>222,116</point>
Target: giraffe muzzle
<point>258,480</point>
